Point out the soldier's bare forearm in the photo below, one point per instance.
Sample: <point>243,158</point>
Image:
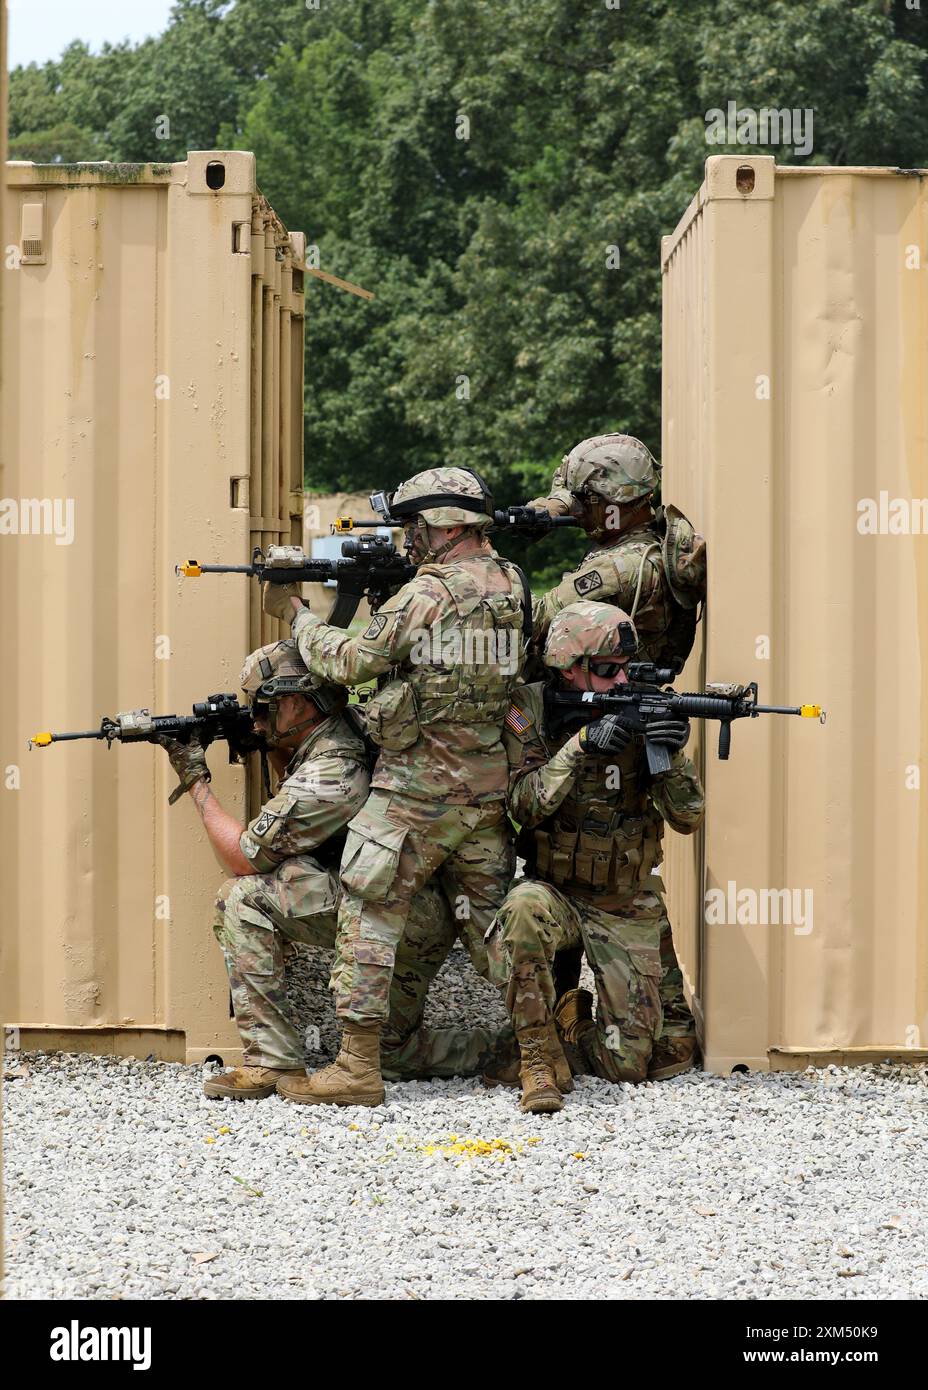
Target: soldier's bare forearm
<point>222,830</point>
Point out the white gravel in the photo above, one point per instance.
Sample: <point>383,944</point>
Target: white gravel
<point>804,1185</point>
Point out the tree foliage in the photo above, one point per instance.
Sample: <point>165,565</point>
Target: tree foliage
<point>482,165</point>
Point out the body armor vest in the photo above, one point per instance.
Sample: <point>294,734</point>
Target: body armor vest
<point>474,652</point>
<point>602,841</point>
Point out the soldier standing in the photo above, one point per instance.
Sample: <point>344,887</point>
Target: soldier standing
<point>592,820</point>
<point>452,641</point>
<point>648,561</point>
<point>285,883</point>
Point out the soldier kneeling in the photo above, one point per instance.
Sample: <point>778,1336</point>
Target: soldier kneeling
<point>285,884</point>
<point>592,820</point>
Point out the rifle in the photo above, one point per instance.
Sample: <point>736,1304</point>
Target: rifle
<point>220,717</point>
<point>372,568</point>
<point>528,522</point>
<point>642,701</point>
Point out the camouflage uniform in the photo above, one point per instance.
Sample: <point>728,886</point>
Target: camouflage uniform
<point>437,807</point>
<point>655,572</point>
<point>591,835</point>
<point>293,895</point>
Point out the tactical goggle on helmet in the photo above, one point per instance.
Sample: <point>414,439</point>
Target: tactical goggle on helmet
<point>601,638</point>
<point>441,496</point>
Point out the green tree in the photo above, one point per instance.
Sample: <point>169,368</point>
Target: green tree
<point>498,172</point>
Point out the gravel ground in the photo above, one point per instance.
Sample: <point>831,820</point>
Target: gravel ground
<point>123,1181</point>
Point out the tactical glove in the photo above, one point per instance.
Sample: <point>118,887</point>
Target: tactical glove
<point>275,599</point>
<point>672,733</point>
<point>605,736</point>
<point>188,761</point>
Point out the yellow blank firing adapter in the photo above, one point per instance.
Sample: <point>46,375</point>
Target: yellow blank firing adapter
<point>342,523</point>
<point>191,569</point>
<point>40,740</point>
<point>812,712</point>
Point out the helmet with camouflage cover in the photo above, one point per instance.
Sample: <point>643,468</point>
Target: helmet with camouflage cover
<point>586,631</point>
<point>614,467</point>
<point>444,497</point>
<point>278,669</point>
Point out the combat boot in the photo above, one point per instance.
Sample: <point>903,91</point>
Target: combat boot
<point>562,1069</point>
<point>540,1093</point>
<point>573,1014</point>
<point>507,1071</point>
<point>671,1056</point>
<point>573,1018</point>
<point>247,1083</point>
<point>352,1079</point>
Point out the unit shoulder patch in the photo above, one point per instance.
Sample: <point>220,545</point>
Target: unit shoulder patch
<point>588,583</point>
<point>263,824</point>
<point>376,626</point>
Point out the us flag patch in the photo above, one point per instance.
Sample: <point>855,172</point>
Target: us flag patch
<point>516,720</point>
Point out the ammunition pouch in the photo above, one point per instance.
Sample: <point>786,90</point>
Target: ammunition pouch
<point>596,856</point>
<point>392,718</point>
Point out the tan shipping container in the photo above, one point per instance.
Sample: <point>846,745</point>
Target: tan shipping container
<point>152,361</point>
<point>795,413</point>
<point>3,128</point>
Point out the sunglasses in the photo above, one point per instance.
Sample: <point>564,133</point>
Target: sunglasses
<point>607,668</point>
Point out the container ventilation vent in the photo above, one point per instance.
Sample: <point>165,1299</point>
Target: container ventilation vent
<point>32,233</point>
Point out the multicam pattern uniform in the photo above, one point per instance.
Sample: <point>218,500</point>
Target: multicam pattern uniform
<point>591,833</point>
<point>655,571</point>
<point>293,896</point>
<point>630,573</point>
<point>610,574</point>
<point>437,805</point>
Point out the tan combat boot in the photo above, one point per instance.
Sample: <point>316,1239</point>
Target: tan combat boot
<point>352,1079</point>
<point>573,1017</point>
<point>540,1093</point>
<point>562,1070</point>
<point>573,1014</point>
<point>247,1083</point>
<point>671,1056</point>
<point>508,1071</point>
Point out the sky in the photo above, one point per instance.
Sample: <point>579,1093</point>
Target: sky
<point>40,29</point>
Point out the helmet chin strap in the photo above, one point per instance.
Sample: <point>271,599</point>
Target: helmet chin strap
<point>432,556</point>
<point>275,735</point>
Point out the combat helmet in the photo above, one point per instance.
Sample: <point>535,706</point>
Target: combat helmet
<point>614,467</point>
<point>278,669</point>
<point>585,631</point>
<point>444,497</point>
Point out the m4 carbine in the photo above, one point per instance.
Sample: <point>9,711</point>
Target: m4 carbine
<point>642,701</point>
<point>528,522</point>
<point>371,567</point>
<point>218,718</point>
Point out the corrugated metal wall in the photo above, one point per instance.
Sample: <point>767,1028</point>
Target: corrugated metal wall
<point>4,920</point>
<point>795,362</point>
<point>142,362</point>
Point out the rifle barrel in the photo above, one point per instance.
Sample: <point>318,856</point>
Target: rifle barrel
<point>804,711</point>
<point>44,739</point>
<point>227,569</point>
